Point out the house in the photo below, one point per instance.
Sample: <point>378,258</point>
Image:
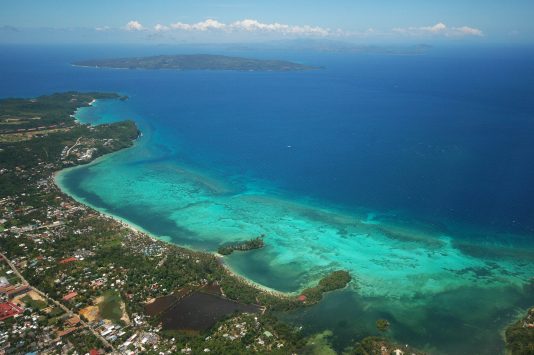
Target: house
<point>3,281</point>
<point>73,321</point>
<point>67,331</point>
<point>8,309</point>
<point>18,290</point>
<point>70,296</point>
<point>68,260</point>
<point>12,291</point>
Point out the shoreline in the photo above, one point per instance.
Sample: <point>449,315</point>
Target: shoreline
<point>251,283</point>
<point>56,176</point>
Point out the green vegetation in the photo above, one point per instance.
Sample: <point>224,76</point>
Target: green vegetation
<point>256,243</point>
<point>35,304</point>
<point>333,281</point>
<point>382,325</point>
<point>84,341</point>
<point>520,335</point>
<point>16,157</point>
<point>110,307</point>
<point>196,62</point>
<point>55,312</point>
<point>45,111</point>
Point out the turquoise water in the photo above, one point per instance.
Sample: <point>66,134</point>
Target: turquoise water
<point>413,173</point>
<point>432,286</point>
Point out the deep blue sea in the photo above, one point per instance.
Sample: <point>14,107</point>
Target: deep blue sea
<point>415,172</point>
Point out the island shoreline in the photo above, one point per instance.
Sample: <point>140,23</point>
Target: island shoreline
<point>57,175</point>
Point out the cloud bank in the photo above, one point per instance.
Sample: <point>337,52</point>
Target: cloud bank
<point>252,26</point>
<point>246,25</point>
<point>440,29</point>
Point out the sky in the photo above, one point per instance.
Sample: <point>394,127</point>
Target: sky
<point>250,20</point>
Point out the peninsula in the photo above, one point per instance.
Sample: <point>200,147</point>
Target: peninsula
<point>195,62</point>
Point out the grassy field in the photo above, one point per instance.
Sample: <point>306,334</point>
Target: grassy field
<point>35,304</point>
<point>110,307</point>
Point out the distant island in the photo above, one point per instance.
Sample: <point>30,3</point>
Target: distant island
<point>195,62</point>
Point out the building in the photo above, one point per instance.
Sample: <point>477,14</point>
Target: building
<point>67,331</point>
<point>8,309</point>
<point>73,321</point>
<point>70,296</point>
<point>68,260</point>
<point>12,291</point>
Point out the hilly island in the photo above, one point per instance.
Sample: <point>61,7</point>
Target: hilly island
<point>195,62</point>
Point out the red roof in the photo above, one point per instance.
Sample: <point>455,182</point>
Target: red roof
<point>12,291</point>
<point>94,352</point>
<point>62,333</point>
<point>8,309</point>
<point>6,288</point>
<point>70,295</point>
<point>302,298</point>
<point>73,320</point>
<point>68,260</point>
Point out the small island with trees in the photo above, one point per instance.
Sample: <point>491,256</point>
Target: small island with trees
<point>255,243</point>
<point>334,281</point>
<point>195,62</point>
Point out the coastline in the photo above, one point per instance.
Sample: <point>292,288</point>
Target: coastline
<point>56,177</point>
<point>251,283</point>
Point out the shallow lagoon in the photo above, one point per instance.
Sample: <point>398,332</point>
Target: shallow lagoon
<point>433,287</point>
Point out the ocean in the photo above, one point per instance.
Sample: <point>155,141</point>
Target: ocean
<point>413,172</point>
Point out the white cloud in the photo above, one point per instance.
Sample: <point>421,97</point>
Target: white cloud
<point>102,28</point>
<point>134,26</point>
<point>246,25</point>
<point>209,24</point>
<point>159,28</point>
<point>470,31</point>
<point>439,29</point>
<point>253,26</point>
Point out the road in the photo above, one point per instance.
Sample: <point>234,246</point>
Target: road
<point>75,144</point>
<point>63,307</point>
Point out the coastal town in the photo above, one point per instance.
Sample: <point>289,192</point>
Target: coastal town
<point>73,280</point>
